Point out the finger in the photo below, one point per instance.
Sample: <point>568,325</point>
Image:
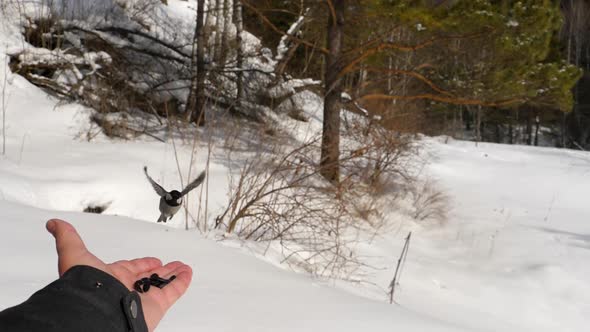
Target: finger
<point>129,271</point>
<point>66,237</point>
<point>166,270</point>
<point>68,243</point>
<point>177,287</point>
<point>158,301</point>
<point>140,265</point>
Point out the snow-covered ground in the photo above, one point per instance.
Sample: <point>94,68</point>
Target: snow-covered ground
<point>513,255</point>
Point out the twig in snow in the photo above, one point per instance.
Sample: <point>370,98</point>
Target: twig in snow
<point>576,144</point>
<point>398,270</point>
<point>22,148</point>
<point>550,208</point>
<point>3,104</point>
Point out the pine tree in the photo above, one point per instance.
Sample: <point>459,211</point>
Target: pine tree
<point>484,54</point>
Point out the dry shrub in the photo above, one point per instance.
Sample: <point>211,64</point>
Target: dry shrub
<point>386,169</point>
<point>123,125</point>
<point>377,157</point>
<point>428,203</point>
<point>280,196</point>
<point>43,32</point>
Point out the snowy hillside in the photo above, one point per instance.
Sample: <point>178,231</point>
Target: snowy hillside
<point>513,255</point>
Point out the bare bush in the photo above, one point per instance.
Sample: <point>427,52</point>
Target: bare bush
<point>377,157</point>
<point>428,203</point>
<point>279,196</point>
<point>388,163</point>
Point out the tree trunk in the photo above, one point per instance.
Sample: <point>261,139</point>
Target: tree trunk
<point>529,127</point>
<point>210,24</point>
<point>218,28</point>
<point>537,123</point>
<point>564,130</point>
<point>468,119</point>
<point>460,125</point>
<point>196,99</point>
<point>578,28</point>
<point>478,124</point>
<point>3,106</point>
<point>191,102</point>
<point>497,133</point>
<point>227,20</point>
<point>201,74</point>
<point>240,53</point>
<point>329,163</point>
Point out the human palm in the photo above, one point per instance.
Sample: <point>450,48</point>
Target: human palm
<point>71,251</point>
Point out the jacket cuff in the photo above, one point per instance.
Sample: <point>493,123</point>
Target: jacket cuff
<point>107,294</point>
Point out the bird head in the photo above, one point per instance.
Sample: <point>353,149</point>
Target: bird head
<point>176,196</point>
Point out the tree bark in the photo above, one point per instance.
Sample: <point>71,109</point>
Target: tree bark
<point>537,123</point>
<point>240,53</point>
<point>218,28</point>
<point>478,125</point>
<point>529,127</point>
<point>227,21</point>
<point>329,163</point>
<point>210,24</point>
<point>196,99</point>
<point>497,134</point>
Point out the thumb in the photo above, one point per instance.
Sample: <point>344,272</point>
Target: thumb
<point>68,243</point>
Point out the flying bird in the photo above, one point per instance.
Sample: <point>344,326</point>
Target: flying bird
<point>170,202</point>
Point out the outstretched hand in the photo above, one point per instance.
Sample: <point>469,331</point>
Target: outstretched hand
<point>71,251</point>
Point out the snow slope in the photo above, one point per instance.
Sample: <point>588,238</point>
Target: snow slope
<point>231,291</point>
<point>512,256</point>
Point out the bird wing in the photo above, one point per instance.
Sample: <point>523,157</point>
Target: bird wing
<point>193,184</point>
<point>158,188</point>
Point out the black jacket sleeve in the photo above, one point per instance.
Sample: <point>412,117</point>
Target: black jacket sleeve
<point>83,299</point>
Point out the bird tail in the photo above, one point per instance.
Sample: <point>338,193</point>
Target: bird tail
<point>162,218</point>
